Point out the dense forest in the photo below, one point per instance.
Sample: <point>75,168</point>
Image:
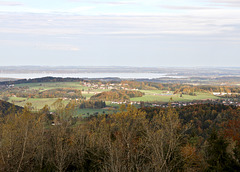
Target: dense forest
<point>193,138</point>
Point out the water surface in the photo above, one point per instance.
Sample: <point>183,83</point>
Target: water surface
<point>87,75</point>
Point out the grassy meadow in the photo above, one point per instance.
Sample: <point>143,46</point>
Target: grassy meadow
<point>52,85</point>
<point>159,95</point>
<point>150,96</point>
<point>37,103</point>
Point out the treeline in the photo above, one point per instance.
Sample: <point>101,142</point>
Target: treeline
<point>180,88</point>
<point>177,88</point>
<point>141,85</point>
<point>25,92</point>
<point>44,79</point>
<point>233,96</point>
<point>61,93</point>
<point>19,92</point>
<point>117,95</point>
<point>131,140</point>
<point>89,104</point>
<point>186,89</point>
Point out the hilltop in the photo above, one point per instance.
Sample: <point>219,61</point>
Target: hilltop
<point>6,108</point>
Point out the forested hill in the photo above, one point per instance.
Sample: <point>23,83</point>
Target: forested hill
<point>203,117</point>
<point>44,79</point>
<point>6,108</point>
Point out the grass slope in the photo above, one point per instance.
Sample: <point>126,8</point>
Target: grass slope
<point>37,103</point>
<point>158,95</point>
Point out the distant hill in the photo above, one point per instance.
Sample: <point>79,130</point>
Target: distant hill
<point>7,108</point>
<point>7,79</point>
<point>44,79</point>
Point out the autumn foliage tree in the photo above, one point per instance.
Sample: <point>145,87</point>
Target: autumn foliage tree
<point>130,140</point>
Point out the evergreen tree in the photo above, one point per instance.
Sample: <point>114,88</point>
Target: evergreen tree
<point>218,158</point>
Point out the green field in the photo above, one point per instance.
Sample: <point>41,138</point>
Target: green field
<point>37,103</point>
<point>150,96</point>
<point>155,95</point>
<point>87,112</point>
<point>87,95</point>
<point>52,85</point>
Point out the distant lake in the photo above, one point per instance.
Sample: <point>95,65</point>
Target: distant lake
<point>87,75</point>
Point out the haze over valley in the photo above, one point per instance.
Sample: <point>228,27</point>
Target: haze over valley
<point>119,85</point>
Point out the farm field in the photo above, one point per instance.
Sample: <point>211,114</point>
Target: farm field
<point>37,103</point>
<point>158,95</point>
<point>87,92</point>
<point>52,85</point>
<point>87,112</point>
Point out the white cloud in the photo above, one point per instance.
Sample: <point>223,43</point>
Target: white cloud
<point>76,10</point>
<point>61,47</point>
<point>105,2</point>
<point>79,9</point>
<point>40,45</point>
<point>10,3</point>
<point>231,3</point>
<point>174,7</point>
<point>200,22</point>
<point>191,20</point>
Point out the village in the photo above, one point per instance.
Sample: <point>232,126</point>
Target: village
<point>107,86</point>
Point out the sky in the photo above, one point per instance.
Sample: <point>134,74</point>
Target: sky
<point>143,33</point>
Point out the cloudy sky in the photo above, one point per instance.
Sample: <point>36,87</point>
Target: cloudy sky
<point>120,32</point>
